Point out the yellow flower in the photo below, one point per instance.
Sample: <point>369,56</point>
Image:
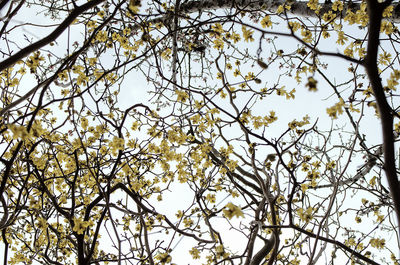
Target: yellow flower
<point>218,44</point>
<point>280,9</point>
<point>313,4</point>
<point>179,214</point>
<point>232,210</point>
<point>350,242</point>
<point>221,252</point>
<point>19,132</point>
<point>235,37</point>
<point>34,61</point>
<point>210,197</point>
<point>266,22</point>
<point>249,76</point>
<point>387,27</point>
<point>80,226</point>
<point>337,5</point>
<point>217,28</point>
<point>135,126</point>
<point>325,34</point>
<point>166,54</point>
<point>335,110</point>
<point>188,222</point>
<point>115,36</point>
<point>331,165</point>
<point>388,11</point>
<point>372,181</point>
<point>294,25</point>
<point>307,35</point>
<point>102,36</point>
<point>305,215</point>
<point>312,84</point>
<point>341,38</point>
<point>134,6</point>
<point>195,253</point>
<point>164,258</point>
<point>101,13</point>
<point>117,144</point>
<point>377,243</point>
<point>247,34</point>
<point>84,123</point>
<point>42,223</point>
<point>182,95</point>
<point>63,75</point>
<point>384,58</point>
<point>329,16</point>
<point>126,31</point>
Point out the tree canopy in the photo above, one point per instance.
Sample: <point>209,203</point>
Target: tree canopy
<point>201,132</point>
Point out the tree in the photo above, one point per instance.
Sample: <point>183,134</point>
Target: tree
<point>94,171</point>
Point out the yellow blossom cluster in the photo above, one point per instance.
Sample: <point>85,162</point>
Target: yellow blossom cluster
<point>232,210</point>
<point>360,17</point>
<point>80,225</point>
<point>247,34</point>
<point>336,109</point>
<point>163,258</point>
<point>305,214</point>
<point>19,132</point>
<point>182,96</point>
<point>378,243</point>
<point>34,61</point>
<point>195,253</point>
<point>266,22</point>
<point>116,144</point>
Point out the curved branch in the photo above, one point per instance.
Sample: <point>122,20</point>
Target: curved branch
<point>263,252</point>
<point>4,218</point>
<point>53,78</point>
<point>337,243</point>
<point>3,4</point>
<point>362,171</point>
<point>51,37</point>
<point>375,10</point>
<point>148,210</point>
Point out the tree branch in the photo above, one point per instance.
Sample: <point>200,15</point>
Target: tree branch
<point>375,10</point>
<point>46,40</point>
